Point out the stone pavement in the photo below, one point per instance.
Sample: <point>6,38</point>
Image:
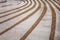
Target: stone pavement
<point>32,20</point>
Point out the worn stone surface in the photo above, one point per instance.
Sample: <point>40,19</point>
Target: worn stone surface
<point>26,18</point>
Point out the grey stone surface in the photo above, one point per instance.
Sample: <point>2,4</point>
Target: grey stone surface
<point>42,30</point>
